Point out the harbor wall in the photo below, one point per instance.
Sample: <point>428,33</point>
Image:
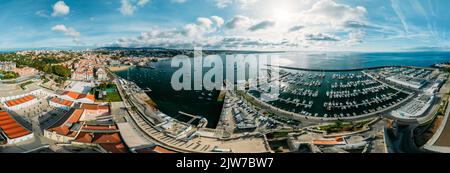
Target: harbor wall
<point>343,70</point>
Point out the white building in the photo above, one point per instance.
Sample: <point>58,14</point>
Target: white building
<point>408,82</point>
<point>101,74</point>
<point>20,103</point>
<point>7,65</point>
<point>433,89</point>
<point>437,85</point>
<point>39,92</point>
<point>80,87</point>
<point>416,108</point>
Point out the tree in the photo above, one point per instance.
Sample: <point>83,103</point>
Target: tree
<point>47,69</point>
<point>115,57</point>
<point>338,124</point>
<point>61,71</point>
<point>9,75</point>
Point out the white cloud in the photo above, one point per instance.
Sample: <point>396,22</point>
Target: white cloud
<point>242,42</point>
<point>355,37</point>
<point>240,3</point>
<point>208,32</point>
<point>324,24</point>
<point>245,3</point>
<point>141,3</point>
<point>262,25</point>
<point>68,31</point>
<point>161,38</point>
<point>60,9</point>
<point>321,37</point>
<point>128,7</point>
<point>65,30</point>
<point>296,28</point>
<point>359,25</point>
<point>244,23</point>
<point>239,22</point>
<point>223,3</point>
<point>217,20</point>
<point>42,13</point>
<point>330,12</point>
<point>203,26</point>
<point>176,39</point>
<point>186,36</point>
<point>205,22</point>
<point>205,33</point>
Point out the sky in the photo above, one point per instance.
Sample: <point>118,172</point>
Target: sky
<point>299,25</point>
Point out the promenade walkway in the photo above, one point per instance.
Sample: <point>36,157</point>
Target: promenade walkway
<point>440,142</point>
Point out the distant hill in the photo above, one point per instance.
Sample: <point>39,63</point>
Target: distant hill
<point>130,48</point>
<point>207,51</point>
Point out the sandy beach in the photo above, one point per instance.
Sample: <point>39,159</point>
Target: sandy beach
<point>119,68</point>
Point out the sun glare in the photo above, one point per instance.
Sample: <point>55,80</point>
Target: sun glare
<point>281,15</point>
<point>282,11</point>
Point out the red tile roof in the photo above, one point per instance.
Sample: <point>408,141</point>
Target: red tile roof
<point>110,142</point>
<point>159,149</point>
<point>94,106</point>
<point>62,127</point>
<point>77,96</point>
<point>102,138</point>
<point>19,101</point>
<point>98,138</point>
<point>325,142</point>
<point>10,127</point>
<point>84,137</point>
<point>335,141</point>
<point>115,148</point>
<point>61,101</point>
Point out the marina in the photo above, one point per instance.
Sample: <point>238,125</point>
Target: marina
<point>333,94</point>
<point>314,90</point>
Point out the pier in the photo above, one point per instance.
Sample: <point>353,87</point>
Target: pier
<point>147,90</point>
<point>194,117</point>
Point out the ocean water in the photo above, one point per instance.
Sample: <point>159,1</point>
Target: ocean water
<point>360,60</point>
<point>204,103</point>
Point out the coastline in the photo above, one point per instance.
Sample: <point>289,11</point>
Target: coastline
<point>119,68</point>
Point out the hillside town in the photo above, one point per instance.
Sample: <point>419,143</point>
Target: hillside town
<point>59,107</point>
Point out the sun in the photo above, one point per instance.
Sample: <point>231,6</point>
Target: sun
<point>281,15</point>
<point>281,11</point>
